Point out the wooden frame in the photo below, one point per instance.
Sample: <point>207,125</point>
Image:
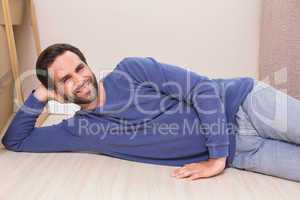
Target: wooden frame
<point>12,49</point>
<point>13,53</point>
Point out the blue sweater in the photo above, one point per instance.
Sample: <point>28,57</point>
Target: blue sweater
<point>154,113</point>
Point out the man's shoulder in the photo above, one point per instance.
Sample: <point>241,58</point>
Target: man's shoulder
<point>138,60</point>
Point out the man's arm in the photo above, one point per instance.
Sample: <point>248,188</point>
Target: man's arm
<point>22,135</point>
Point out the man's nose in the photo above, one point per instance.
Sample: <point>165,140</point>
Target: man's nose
<point>78,80</point>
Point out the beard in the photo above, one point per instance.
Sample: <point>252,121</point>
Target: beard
<point>82,100</point>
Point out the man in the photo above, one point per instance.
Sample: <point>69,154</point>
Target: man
<point>153,112</point>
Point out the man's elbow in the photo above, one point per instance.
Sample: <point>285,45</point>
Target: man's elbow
<point>11,144</point>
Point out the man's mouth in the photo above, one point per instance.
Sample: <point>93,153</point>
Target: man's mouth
<point>83,88</point>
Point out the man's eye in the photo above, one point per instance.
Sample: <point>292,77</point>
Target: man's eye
<point>65,80</point>
<point>80,68</point>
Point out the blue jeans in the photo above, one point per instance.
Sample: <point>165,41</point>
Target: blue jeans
<point>268,133</point>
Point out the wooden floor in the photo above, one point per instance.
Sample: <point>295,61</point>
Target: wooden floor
<point>91,176</point>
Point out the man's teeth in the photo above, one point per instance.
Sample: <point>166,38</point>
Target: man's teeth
<point>85,84</point>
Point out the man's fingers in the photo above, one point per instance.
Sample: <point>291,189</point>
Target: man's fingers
<point>178,171</point>
<point>184,172</point>
<point>194,177</point>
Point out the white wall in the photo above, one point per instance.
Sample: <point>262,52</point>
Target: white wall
<point>212,37</point>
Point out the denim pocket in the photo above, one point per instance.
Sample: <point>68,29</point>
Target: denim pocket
<point>244,126</point>
<point>246,148</point>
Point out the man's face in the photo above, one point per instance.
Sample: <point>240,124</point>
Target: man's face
<point>73,79</point>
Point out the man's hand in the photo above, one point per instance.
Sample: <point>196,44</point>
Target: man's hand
<point>42,94</point>
<point>203,169</point>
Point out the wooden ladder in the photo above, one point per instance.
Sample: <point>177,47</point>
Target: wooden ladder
<point>14,57</point>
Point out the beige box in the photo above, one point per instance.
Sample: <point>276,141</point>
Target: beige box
<point>17,8</point>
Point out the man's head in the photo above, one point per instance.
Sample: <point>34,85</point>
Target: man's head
<point>63,68</point>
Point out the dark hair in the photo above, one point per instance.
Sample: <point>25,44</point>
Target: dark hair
<point>47,57</point>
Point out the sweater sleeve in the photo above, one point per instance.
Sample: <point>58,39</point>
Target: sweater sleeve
<point>190,87</point>
<point>22,135</point>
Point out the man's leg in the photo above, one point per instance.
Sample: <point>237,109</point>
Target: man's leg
<point>262,155</point>
<point>268,134</point>
<point>273,114</point>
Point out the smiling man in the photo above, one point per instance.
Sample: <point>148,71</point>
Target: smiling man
<point>144,111</point>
